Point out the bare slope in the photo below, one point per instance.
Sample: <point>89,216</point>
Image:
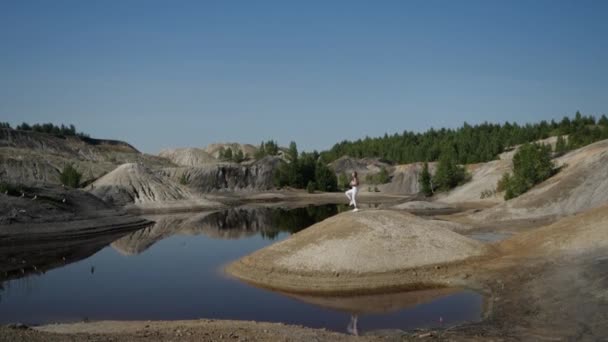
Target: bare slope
<point>581,184</point>
<point>227,176</point>
<point>404,179</point>
<point>347,251</point>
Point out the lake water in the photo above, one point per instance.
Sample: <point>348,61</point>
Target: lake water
<point>173,270</point>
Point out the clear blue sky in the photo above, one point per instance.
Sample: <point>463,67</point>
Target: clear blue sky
<point>187,73</point>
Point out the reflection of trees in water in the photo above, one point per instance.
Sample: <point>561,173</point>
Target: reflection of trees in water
<point>268,222</point>
<point>294,220</point>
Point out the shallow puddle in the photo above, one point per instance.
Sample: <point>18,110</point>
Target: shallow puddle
<point>170,271</point>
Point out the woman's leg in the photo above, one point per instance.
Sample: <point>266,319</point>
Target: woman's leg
<point>349,194</point>
<point>355,190</point>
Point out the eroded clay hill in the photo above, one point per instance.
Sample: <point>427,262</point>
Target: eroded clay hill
<point>146,189</point>
<point>348,251</point>
<point>33,158</point>
<point>226,176</point>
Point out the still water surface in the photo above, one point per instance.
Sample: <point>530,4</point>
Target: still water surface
<point>173,271</point>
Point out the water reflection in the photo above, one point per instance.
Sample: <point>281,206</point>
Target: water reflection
<point>170,271</point>
<point>235,223</point>
<point>18,260</point>
<point>379,305</point>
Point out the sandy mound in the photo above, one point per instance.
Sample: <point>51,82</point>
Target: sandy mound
<point>133,183</point>
<point>188,156</point>
<point>354,245</point>
<point>580,185</point>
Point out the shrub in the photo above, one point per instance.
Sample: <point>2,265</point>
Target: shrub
<point>310,187</point>
<point>70,176</point>
<point>561,146</point>
<point>183,180</point>
<point>343,181</point>
<point>10,189</point>
<point>487,193</point>
<point>503,182</point>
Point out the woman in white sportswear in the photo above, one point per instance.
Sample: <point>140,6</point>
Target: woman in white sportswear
<point>352,193</point>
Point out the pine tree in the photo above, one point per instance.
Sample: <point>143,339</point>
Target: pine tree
<point>238,156</point>
<point>561,146</point>
<point>228,154</point>
<point>325,178</point>
<point>425,180</point>
<point>532,164</point>
<point>292,152</point>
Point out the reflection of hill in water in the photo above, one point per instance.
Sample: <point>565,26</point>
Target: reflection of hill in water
<point>235,223</point>
<point>377,303</point>
<point>34,257</point>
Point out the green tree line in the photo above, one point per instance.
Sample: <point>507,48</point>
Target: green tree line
<point>49,128</point>
<point>469,144</point>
